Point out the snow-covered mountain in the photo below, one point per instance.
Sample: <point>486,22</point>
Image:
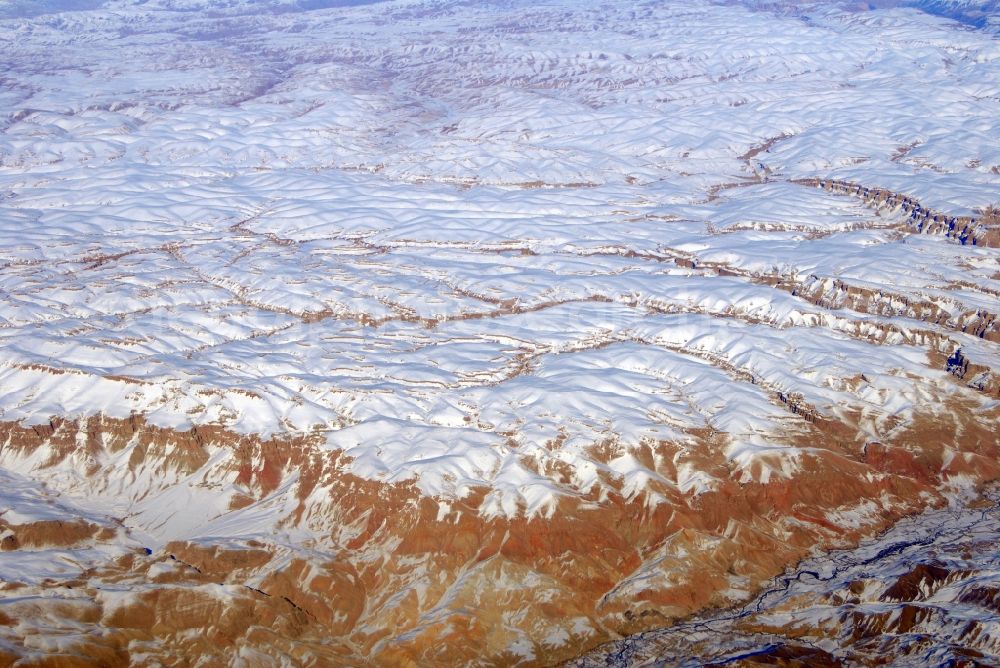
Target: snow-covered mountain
<point>981,13</point>
<point>446,333</point>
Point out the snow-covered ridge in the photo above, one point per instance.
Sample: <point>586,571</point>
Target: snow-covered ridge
<point>978,13</point>
<point>366,322</point>
<point>437,233</point>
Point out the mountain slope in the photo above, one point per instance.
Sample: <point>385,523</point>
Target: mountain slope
<point>434,333</point>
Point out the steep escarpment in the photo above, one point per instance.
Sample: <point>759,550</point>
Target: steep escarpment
<point>981,230</point>
<point>320,565</point>
<point>428,334</point>
<point>922,593</point>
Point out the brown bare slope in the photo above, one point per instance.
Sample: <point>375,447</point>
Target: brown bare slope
<point>386,577</point>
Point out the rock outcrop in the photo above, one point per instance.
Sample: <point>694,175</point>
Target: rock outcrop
<point>377,571</point>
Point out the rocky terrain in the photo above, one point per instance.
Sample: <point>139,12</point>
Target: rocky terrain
<point>924,593</point>
<point>432,333</point>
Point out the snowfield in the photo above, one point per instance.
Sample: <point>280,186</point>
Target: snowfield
<point>509,255</point>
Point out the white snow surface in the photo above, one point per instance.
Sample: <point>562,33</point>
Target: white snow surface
<point>446,234</point>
